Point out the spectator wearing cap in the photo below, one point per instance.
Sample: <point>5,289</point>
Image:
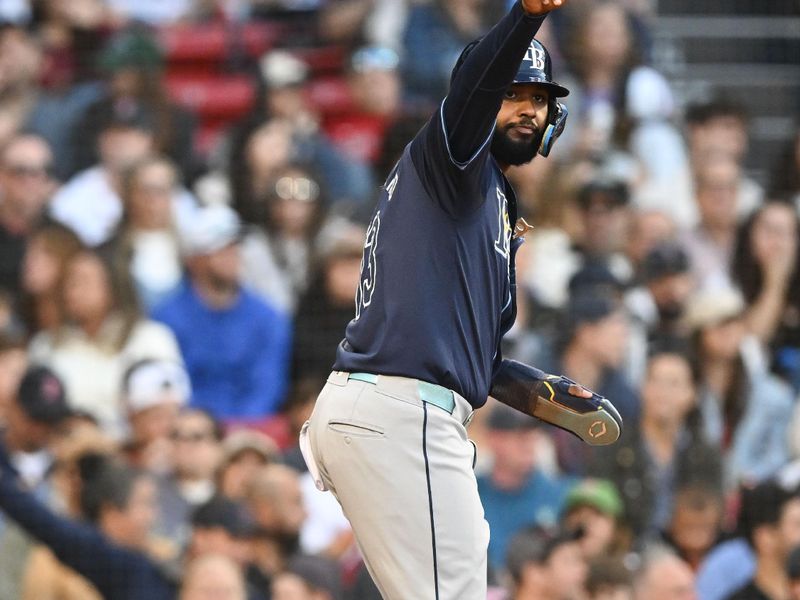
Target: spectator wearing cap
<point>374,87</point>
<point>277,253</point>
<point>153,392</point>
<point>102,333</point>
<point>308,578</point>
<point>283,95</point>
<point>770,520</point>
<point>224,527</point>
<point>603,203</point>
<point>327,306</point>
<point>595,506</point>
<point>593,345</point>
<point>766,266</point>
<point>662,452</point>
<point>546,563</point>
<point>244,452</point>
<point>664,576</point>
<point>235,346</point>
<point>516,491</point>
<point>26,184</point>
<point>90,202</point>
<point>744,409</point>
<point>132,64</point>
<point>657,304</point>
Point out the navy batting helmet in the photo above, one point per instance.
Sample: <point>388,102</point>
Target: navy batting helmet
<point>536,67</point>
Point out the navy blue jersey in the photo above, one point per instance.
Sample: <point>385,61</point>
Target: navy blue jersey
<point>437,282</point>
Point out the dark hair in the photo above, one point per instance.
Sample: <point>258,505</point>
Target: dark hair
<point>217,428</point>
<point>700,113</point>
<point>747,272</point>
<point>121,289</point>
<point>105,483</point>
<point>785,177</point>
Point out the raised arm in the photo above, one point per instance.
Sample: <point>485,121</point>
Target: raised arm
<point>477,88</point>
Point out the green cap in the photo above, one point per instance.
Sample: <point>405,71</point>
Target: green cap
<point>600,494</point>
<point>131,49</point>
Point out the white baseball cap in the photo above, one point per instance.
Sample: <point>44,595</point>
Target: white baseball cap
<point>209,229</point>
<point>153,382</point>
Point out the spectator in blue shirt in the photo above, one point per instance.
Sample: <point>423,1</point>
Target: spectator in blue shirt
<point>235,346</point>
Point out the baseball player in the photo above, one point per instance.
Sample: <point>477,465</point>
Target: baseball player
<point>437,290</point>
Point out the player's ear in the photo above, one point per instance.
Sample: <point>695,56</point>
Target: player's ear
<point>556,121</point>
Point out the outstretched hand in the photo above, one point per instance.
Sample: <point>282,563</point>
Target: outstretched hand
<point>541,7</point>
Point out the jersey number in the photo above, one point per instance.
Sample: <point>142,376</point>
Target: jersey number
<point>369,267</point>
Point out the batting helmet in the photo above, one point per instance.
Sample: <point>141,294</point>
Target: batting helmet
<point>536,67</point>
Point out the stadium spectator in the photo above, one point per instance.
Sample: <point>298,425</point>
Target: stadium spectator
<point>516,492</point>
<point>435,34</point>
<point>785,177</point>
<point>277,254</point>
<point>308,578</point>
<point>664,576</point>
<point>696,523</point>
<point>26,183</point>
<point>595,507</point>
<point>546,564</point>
<point>146,241</point>
<point>609,579</point>
<point>153,392</point>
<point>213,576</point>
<point>110,552</point>
<point>283,95</point>
<point>744,410</point>
<point>710,243</point>
<point>593,344</point>
<point>49,248</point>
<point>244,452</point>
<point>235,346</point>
<point>772,527</point>
<point>101,334</point>
<point>618,102</point>
<point>662,452</point>
<point>766,266</point>
<point>197,450</point>
<point>132,63</point>
<point>327,306</point>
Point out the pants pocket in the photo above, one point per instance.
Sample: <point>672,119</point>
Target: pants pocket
<point>356,428</point>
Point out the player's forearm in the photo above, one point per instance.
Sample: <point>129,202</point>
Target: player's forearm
<point>477,89</point>
<point>517,385</point>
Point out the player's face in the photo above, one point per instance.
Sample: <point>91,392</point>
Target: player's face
<point>520,123</point>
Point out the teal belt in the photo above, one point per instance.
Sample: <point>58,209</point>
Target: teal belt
<point>428,392</point>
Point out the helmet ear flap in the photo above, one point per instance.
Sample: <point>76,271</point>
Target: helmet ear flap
<point>556,120</point>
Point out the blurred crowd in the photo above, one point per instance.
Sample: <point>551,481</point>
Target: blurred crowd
<point>183,191</point>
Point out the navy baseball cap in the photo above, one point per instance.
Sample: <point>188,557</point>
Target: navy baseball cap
<point>42,397</point>
<point>220,512</point>
<point>667,258</point>
<point>505,418</point>
<point>537,67</point>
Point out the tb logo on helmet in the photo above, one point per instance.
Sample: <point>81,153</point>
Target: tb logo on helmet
<point>535,55</point>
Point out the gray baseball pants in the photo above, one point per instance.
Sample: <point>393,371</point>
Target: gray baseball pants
<point>402,469</point>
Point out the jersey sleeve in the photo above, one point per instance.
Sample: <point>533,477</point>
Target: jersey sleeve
<point>450,151</point>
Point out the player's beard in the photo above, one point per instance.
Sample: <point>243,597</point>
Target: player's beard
<point>511,152</point>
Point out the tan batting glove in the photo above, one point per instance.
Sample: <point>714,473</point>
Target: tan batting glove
<point>541,7</point>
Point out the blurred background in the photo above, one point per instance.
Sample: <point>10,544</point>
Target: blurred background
<point>184,188</point>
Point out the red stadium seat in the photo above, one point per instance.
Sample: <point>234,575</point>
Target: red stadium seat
<point>325,59</point>
<point>258,38</point>
<point>330,96</point>
<point>194,43</point>
<point>221,97</point>
<point>359,135</point>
